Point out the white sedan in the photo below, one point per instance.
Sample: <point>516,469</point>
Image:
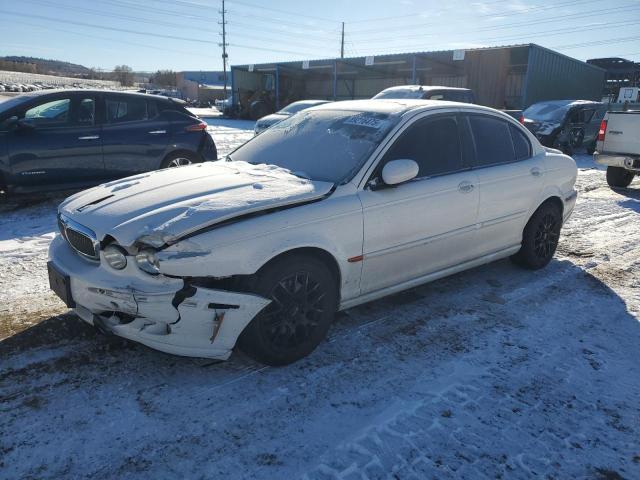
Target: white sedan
<point>336,206</point>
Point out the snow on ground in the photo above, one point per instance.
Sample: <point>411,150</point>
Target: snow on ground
<point>492,373</point>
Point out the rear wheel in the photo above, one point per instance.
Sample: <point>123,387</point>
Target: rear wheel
<point>591,148</point>
<point>619,177</point>
<point>540,237</point>
<point>179,159</point>
<point>303,294</point>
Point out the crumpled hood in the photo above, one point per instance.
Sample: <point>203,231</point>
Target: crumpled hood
<point>160,207</point>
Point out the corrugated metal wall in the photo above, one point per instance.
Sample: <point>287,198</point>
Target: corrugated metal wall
<point>553,76</point>
<point>487,72</point>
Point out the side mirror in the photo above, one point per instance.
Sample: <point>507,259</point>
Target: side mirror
<point>11,122</point>
<point>396,172</point>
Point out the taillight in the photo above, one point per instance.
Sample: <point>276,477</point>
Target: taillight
<point>603,130</point>
<point>198,127</point>
<point>522,119</point>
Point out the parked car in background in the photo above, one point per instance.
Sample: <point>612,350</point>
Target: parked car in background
<point>366,199</point>
<point>451,94</point>
<point>265,122</point>
<point>70,138</point>
<point>566,124</point>
<point>618,147</point>
<point>629,95</point>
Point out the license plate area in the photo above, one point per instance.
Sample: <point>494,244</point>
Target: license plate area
<point>60,284</point>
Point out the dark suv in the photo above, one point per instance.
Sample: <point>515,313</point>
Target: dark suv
<point>74,138</point>
<point>565,124</point>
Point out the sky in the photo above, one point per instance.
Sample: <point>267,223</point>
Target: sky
<point>186,34</point>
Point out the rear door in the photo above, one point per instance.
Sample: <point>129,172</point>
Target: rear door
<point>510,179</point>
<point>134,136</point>
<point>58,142</point>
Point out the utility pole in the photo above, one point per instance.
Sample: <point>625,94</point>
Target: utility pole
<point>342,42</point>
<point>224,47</point>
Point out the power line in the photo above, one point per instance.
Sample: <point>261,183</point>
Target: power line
<point>555,18</point>
<point>111,15</point>
<point>252,5</point>
<point>102,27</point>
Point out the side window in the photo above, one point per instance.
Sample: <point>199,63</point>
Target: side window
<point>86,113</point>
<point>121,110</point>
<point>433,143</point>
<point>588,114</point>
<point>50,114</point>
<point>521,143</point>
<point>492,139</point>
<point>153,109</point>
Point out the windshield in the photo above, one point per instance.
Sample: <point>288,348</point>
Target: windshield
<point>546,112</point>
<point>325,145</point>
<point>399,93</point>
<point>296,107</point>
<point>6,105</point>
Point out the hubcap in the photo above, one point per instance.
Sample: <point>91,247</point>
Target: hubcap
<point>179,162</point>
<point>546,237</point>
<point>295,310</point>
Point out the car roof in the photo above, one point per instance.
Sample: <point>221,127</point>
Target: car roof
<point>96,91</point>
<point>400,106</point>
<point>568,102</point>
<point>310,102</point>
<point>424,88</point>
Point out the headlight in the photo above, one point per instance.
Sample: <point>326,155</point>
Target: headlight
<point>147,261</point>
<point>115,256</point>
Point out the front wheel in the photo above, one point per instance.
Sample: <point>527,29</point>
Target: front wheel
<point>304,298</point>
<point>540,238</point>
<point>619,177</point>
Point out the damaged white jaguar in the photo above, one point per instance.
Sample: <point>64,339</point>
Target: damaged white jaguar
<point>337,205</point>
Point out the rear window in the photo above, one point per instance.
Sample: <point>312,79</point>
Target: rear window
<point>521,143</point>
<point>546,112</point>
<point>492,139</point>
<point>400,93</point>
<point>120,110</point>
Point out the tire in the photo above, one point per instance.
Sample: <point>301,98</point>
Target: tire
<point>540,238</point>
<point>179,159</point>
<point>619,177</point>
<point>293,324</point>
<point>591,148</point>
<point>564,147</point>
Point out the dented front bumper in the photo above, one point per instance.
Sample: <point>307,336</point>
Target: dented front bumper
<point>156,311</point>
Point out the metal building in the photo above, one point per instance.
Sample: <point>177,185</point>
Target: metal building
<point>511,77</point>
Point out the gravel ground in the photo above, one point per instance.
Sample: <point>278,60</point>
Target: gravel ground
<point>492,373</point>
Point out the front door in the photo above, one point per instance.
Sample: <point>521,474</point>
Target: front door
<point>426,224</point>
<point>57,143</point>
<point>135,136</point>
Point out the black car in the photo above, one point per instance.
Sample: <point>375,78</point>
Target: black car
<point>74,138</point>
<point>565,124</point>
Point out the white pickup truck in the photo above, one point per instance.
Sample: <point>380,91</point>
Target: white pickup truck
<point>618,147</point>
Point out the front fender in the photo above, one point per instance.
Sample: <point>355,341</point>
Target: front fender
<point>242,248</point>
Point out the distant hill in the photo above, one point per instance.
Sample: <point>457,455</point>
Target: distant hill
<point>43,65</point>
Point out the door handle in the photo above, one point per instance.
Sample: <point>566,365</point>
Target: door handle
<point>157,132</point>
<point>466,187</point>
<point>535,171</point>
<point>90,137</point>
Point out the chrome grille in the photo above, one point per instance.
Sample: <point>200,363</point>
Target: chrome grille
<point>81,239</point>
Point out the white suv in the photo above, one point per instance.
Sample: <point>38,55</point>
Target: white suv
<point>336,206</point>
